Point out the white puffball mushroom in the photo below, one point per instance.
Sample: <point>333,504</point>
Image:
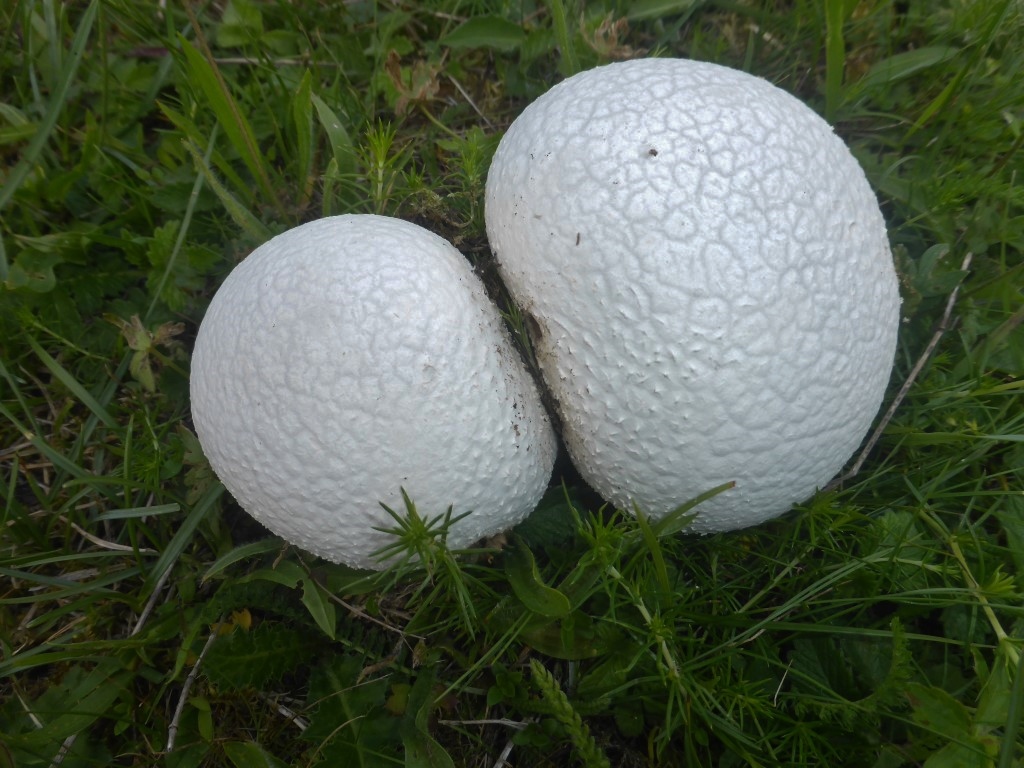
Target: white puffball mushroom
<point>352,357</point>
<point>711,279</point>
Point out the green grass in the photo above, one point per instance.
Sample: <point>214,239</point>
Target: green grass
<point>146,620</point>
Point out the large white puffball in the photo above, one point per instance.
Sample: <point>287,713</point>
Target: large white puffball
<point>710,279</point>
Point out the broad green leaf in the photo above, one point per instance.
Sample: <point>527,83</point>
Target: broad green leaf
<point>421,749</point>
<point>486,32</point>
<point>611,672</point>
<point>141,369</point>
<point>258,657</point>
<point>190,756</point>
<point>204,719</point>
<point>938,711</point>
<point>521,569</point>
<point>552,524</point>
<point>902,65</point>
<point>82,698</point>
<point>572,638</point>
<point>994,701</point>
<point>68,242</point>
<point>349,723</point>
<point>248,754</point>
<point>968,754</point>
<point>337,135</point>
<point>629,717</point>
<point>33,271</point>
<point>319,606</point>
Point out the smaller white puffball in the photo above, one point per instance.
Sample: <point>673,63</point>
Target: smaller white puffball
<point>355,356</point>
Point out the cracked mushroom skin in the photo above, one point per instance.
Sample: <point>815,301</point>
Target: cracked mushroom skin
<point>712,279</point>
<point>354,356</point>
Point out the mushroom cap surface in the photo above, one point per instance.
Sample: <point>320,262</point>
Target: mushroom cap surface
<point>711,280</point>
<point>354,356</point>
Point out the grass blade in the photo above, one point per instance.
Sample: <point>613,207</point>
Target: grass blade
<point>653,548</point>
<point>681,517</point>
<point>186,221</point>
<point>5,268</point>
<point>302,117</point>
<point>570,64</point>
<point>137,512</point>
<point>55,457</point>
<point>835,56</point>
<point>243,552</point>
<point>646,10</point>
<point>184,534</point>
<point>31,156</point>
<point>69,381</point>
<point>255,229</point>
<point>230,117</point>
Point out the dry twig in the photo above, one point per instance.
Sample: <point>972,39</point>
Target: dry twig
<point>172,730</point>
